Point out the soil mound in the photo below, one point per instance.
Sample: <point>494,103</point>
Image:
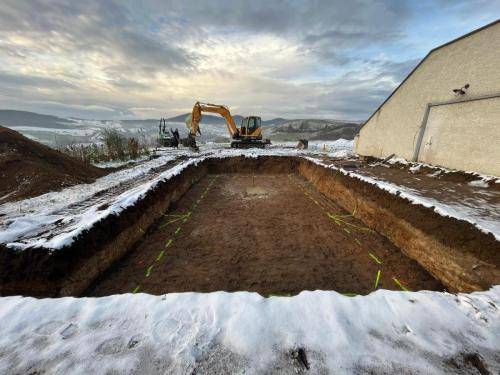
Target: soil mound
<point>28,168</point>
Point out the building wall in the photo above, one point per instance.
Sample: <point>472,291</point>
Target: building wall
<point>474,59</point>
<point>464,136</point>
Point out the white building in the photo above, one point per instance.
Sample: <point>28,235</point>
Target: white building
<point>427,119</point>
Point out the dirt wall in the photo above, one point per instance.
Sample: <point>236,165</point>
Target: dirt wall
<point>68,271</point>
<point>454,251</point>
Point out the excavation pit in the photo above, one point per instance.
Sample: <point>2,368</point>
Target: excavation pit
<point>273,225</point>
<point>274,234</point>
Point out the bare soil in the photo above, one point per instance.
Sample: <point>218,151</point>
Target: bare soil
<point>464,258</point>
<point>28,168</point>
<point>267,233</point>
<point>275,225</point>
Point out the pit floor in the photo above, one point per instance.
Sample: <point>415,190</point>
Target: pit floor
<point>274,234</point>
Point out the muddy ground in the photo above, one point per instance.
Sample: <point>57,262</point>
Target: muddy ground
<point>266,233</point>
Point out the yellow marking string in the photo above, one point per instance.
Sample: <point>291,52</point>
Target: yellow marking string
<point>160,255</point>
<point>149,270</point>
<point>337,219</point>
<point>375,258</point>
<point>136,289</point>
<point>400,285</point>
<point>377,279</point>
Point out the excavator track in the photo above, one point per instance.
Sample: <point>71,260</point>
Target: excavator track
<point>249,144</point>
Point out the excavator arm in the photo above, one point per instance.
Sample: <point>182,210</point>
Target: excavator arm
<point>198,108</point>
<point>250,134</point>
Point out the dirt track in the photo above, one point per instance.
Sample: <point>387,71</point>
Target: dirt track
<point>272,234</point>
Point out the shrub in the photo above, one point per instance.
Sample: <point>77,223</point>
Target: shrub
<point>133,148</point>
<point>114,142</point>
<point>115,146</point>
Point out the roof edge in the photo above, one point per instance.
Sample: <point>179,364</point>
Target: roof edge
<point>425,58</point>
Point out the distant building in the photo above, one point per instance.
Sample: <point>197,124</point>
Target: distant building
<point>447,110</point>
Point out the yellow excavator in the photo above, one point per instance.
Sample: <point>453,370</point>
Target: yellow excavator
<point>247,136</point>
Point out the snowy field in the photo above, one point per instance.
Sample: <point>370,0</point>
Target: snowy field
<point>384,332</point>
<point>244,333</point>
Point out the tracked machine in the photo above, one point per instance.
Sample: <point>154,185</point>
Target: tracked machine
<point>164,137</point>
<point>249,135</point>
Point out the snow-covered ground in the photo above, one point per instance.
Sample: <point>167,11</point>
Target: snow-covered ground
<point>54,219</point>
<point>27,223</point>
<point>121,163</point>
<point>473,210</point>
<point>243,333</point>
<point>232,333</point>
<point>30,218</point>
<point>476,205</point>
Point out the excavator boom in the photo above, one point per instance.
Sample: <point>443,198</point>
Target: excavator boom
<point>213,108</point>
<point>248,136</point>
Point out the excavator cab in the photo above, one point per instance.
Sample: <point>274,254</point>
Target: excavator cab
<point>249,125</point>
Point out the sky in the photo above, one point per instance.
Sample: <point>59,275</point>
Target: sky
<point>123,59</point>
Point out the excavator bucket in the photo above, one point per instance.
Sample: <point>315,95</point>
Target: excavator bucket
<point>191,142</point>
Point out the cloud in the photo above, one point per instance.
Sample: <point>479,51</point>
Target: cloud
<point>105,58</point>
<point>358,93</point>
<point>8,80</point>
<point>104,28</point>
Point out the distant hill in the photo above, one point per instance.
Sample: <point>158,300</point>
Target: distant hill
<point>57,131</point>
<point>23,118</point>
<point>275,121</point>
<point>218,120</point>
<point>206,119</point>
<point>313,129</point>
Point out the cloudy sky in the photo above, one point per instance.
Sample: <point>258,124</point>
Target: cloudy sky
<point>145,59</point>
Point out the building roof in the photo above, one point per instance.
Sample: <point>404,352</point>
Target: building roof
<point>425,58</point>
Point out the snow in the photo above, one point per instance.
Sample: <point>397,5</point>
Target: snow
<point>385,332</point>
<point>27,223</point>
<point>397,160</point>
<point>479,183</point>
<point>31,215</point>
<point>415,168</point>
<point>31,222</point>
<point>120,163</point>
<point>434,174</point>
<point>70,131</point>
<point>471,212</point>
